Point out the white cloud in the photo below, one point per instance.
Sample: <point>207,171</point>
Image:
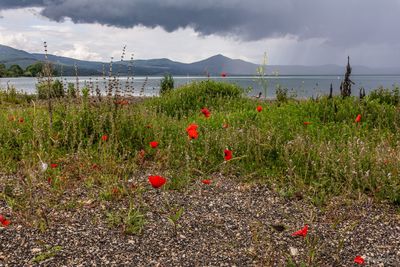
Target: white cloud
<point>79,51</point>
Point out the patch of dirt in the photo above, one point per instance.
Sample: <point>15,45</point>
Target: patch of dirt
<point>223,224</point>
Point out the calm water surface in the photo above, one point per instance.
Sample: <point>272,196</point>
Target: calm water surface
<point>302,86</point>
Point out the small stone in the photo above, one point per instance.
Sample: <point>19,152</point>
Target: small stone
<point>293,251</point>
<point>36,250</point>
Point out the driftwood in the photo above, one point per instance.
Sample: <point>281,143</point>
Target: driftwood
<point>345,86</point>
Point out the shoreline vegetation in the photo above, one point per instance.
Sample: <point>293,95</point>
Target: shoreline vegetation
<point>76,153</point>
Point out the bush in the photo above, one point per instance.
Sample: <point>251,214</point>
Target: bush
<point>385,96</point>
<point>281,94</point>
<point>167,84</point>
<point>56,90</point>
<point>11,95</point>
<point>71,92</point>
<point>195,96</point>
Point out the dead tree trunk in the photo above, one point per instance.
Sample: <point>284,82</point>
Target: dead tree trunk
<point>330,92</point>
<point>362,93</point>
<point>345,87</point>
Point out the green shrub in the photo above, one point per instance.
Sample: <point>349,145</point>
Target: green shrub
<point>281,93</point>
<point>383,95</point>
<point>193,97</point>
<point>56,90</point>
<point>71,92</point>
<point>167,84</point>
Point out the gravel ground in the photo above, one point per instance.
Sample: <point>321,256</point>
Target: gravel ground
<point>223,224</point>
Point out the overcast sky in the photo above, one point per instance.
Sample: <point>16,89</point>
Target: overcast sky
<point>298,32</point>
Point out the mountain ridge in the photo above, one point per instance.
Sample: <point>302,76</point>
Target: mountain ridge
<point>213,66</point>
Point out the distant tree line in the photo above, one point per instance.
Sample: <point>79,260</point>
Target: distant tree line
<point>34,70</point>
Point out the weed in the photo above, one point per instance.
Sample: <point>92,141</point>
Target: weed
<point>50,253</point>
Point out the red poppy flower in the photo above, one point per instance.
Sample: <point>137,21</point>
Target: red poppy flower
<point>223,74</point>
<point>259,108</point>
<point>206,112</point>
<point>154,144</point>
<point>192,131</point>
<point>193,134</point>
<point>358,118</point>
<point>4,222</point>
<point>228,154</point>
<point>21,120</point>
<point>306,123</point>
<point>115,191</point>
<point>192,126</point>
<point>206,181</point>
<point>142,153</point>
<point>157,181</point>
<point>104,138</point>
<point>359,260</point>
<point>225,125</point>
<point>53,165</point>
<point>302,232</point>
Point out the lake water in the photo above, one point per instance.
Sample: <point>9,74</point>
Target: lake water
<point>302,86</point>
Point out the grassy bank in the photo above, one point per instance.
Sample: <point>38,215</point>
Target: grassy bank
<point>303,149</point>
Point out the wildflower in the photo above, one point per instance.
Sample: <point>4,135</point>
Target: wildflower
<point>157,181</point>
<point>53,165</point>
<point>4,222</point>
<point>259,108</point>
<point>104,138</point>
<point>142,153</point>
<point>306,123</point>
<point>115,191</point>
<point>206,181</point>
<point>206,112</point>
<point>223,74</point>
<point>192,131</point>
<point>21,120</point>
<point>359,260</point>
<point>302,232</point>
<point>193,134</point>
<point>358,118</point>
<point>95,166</point>
<point>228,154</point>
<point>225,125</point>
<point>154,144</point>
<point>192,126</point>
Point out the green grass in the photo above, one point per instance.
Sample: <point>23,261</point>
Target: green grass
<point>333,156</point>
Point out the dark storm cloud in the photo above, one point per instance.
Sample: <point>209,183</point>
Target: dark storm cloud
<point>340,22</point>
<point>5,4</point>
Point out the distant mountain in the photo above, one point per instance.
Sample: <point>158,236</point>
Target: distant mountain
<point>10,56</point>
<point>213,66</point>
